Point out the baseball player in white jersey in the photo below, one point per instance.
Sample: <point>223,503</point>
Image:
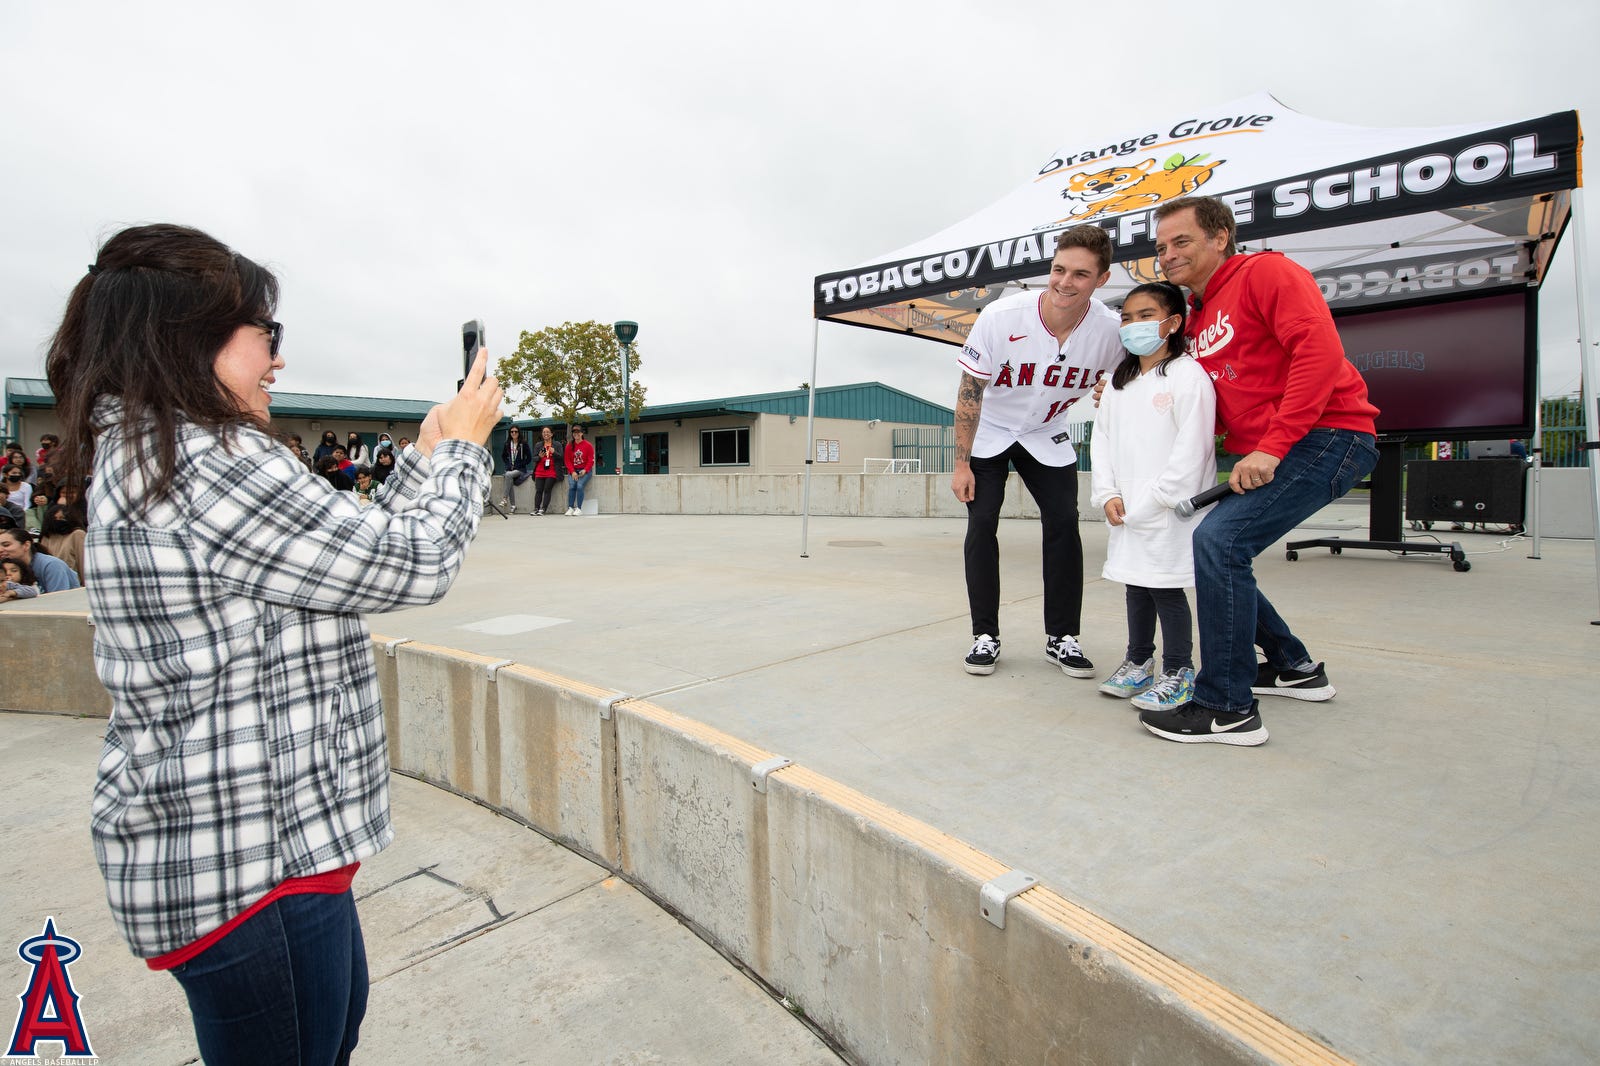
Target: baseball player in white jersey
<point>1030,356</point>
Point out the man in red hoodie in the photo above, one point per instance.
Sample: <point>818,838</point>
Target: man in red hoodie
<point>1296,411</point>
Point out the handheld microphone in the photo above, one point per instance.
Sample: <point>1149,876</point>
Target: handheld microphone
<point>1187,508</point>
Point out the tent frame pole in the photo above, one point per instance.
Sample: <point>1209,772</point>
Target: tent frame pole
<point>1589,364</point>
<point>811,457</point>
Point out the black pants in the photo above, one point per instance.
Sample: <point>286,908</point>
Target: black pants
<point>1177,627</point>
<point>542,489</point>
<point>1055,490</point>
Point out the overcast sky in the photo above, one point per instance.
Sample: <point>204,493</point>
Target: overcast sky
<point>404,166</point>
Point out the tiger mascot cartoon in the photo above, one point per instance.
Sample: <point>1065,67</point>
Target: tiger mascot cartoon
<point>1128,188</point>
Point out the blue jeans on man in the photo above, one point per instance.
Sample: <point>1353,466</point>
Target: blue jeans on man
<point>1234,616</point>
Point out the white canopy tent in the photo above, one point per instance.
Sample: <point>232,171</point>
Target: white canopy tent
<point>1377,215</point>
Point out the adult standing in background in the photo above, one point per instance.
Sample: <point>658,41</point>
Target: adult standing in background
<point>355,449</point>
<point>1296,412</point>
<point>580,468</point>
<point>245,772</point>
<point>546,471</point>
<point>1029,357</point>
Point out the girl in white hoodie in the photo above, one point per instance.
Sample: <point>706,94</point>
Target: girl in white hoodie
<point>1153,446</point>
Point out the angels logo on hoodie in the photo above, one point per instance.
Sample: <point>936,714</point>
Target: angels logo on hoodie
<point>1209,340</point>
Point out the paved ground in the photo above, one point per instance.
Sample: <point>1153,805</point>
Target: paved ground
<point>486,942</point>
<point>1406,872</point>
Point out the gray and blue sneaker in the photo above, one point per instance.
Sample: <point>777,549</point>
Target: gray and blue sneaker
<point>1130,679</point>
<point>1175,689</point>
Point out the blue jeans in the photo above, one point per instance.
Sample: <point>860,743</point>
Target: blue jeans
<point>1234,616</point>
<point>287,987</point>
<point>575,486</point>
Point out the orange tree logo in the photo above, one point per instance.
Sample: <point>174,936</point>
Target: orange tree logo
<point>1118,189</point>
<point>49,1005</point>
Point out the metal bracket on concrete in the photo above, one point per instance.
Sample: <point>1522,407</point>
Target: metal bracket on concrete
<point>494,668</point>
<point>607,706</point>
<point>994,895</point>
<point>764,769</point>
<point>390,645</point>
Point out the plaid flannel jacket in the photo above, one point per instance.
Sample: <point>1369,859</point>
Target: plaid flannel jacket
<point>246,743</point>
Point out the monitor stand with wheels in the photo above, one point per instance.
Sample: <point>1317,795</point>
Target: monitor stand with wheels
<point>1384,508</point>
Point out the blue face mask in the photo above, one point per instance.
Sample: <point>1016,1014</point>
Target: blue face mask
<point>1143,338</point>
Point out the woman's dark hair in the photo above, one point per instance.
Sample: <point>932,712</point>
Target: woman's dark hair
<point>380,469</point>
<point>144,326</point>
<point>330,437</point>
<point>24,571</point>
<point>1170,297</point>
<point>23,538</point>
<point>59,519</point>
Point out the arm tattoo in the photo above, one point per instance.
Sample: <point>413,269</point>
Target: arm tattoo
<point>969,404</point>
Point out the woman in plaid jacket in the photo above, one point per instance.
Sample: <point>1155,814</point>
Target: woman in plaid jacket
<point>245,773</point>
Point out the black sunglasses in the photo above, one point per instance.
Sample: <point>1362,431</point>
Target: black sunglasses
<point>273,328</point>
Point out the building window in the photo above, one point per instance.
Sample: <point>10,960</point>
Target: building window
<point>725,447</point>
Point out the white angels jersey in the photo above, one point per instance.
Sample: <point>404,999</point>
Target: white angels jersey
<point>1031,378</point>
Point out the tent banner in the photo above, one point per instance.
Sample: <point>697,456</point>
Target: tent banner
<point>1448,199</point>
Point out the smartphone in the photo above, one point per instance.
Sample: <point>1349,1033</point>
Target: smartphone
<point>471,341</point>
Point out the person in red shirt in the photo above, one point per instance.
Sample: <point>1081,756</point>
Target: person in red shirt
<point>580,465</point>
<point>1296,411</point>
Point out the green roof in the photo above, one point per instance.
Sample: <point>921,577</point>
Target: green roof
<point>35,392</point>
<point>863,402</point>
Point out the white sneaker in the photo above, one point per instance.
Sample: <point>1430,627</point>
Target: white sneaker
<point>513,508</point>
<point>571,511</point>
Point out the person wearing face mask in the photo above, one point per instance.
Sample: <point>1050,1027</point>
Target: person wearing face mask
<point>1152,448</point>
<point>329,442</point>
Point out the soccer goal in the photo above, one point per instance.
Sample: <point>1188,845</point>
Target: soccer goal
<point>891,466</point>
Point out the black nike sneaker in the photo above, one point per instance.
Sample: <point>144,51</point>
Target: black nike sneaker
<point>1309,684</point>
<point>1194,724</point>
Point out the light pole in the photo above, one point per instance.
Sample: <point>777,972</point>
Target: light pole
<point>626,332</point>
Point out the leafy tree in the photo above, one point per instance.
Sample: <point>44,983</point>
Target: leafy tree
<point>572,368</point>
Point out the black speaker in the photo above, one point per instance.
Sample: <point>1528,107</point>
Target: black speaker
<point>1470,490</point>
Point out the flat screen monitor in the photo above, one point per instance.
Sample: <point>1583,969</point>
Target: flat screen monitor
<point>1456,370</point>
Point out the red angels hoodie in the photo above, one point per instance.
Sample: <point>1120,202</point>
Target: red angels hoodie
<point>1265,336</point>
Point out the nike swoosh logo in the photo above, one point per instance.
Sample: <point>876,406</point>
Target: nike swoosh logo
<point>1279,682</point>
<point>1218,727</point>
<point>1019,337</point>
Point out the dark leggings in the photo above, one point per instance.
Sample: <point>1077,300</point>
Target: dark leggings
<point>543,488</point>
<point>1177,627</point>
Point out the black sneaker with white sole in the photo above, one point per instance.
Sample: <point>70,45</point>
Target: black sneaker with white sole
<point>1194,724</point>
<point>1309,684</point>
<point>984,654</point>
<point>1065,653</point>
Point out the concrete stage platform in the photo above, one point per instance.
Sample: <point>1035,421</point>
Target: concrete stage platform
<point>1405,873</point>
